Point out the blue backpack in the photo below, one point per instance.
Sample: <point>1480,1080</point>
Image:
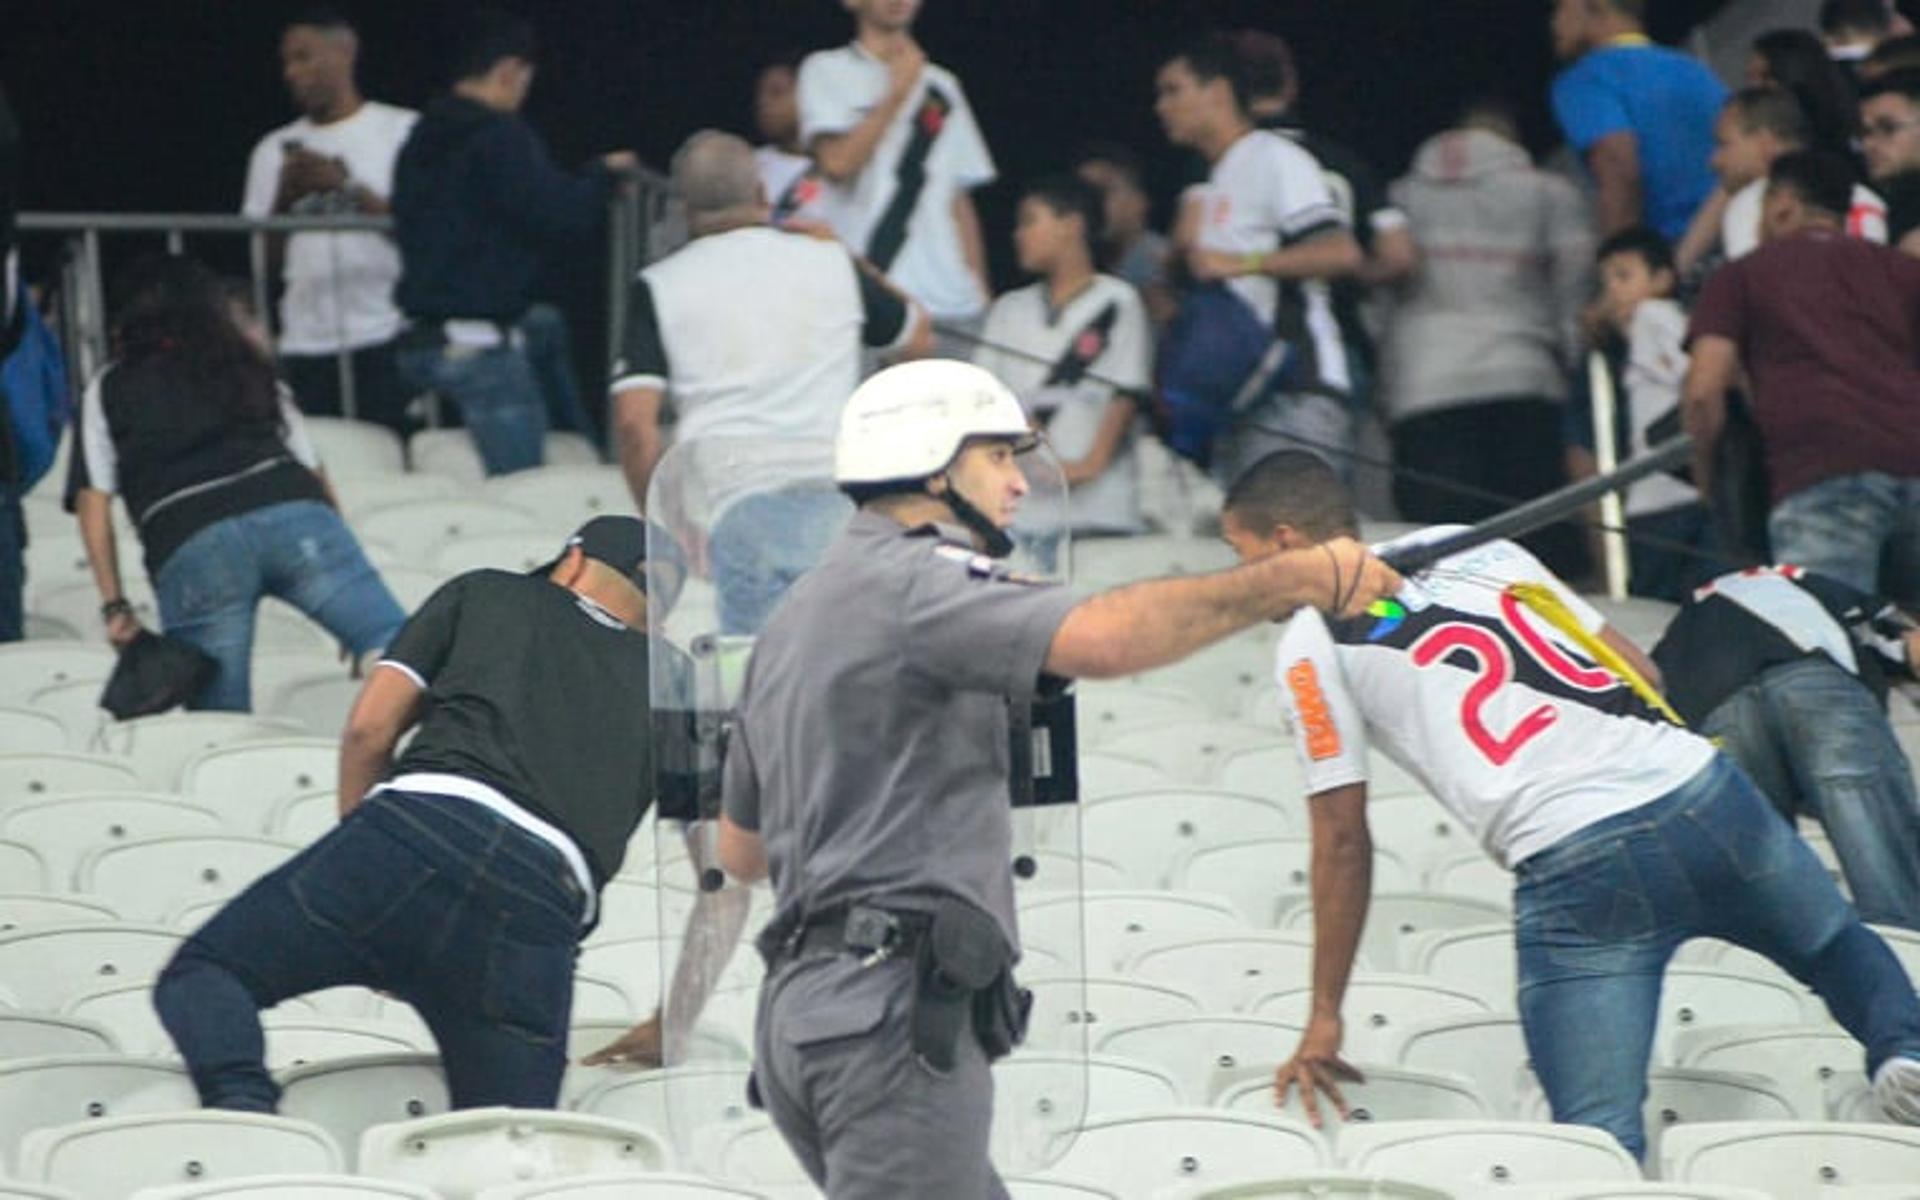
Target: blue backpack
<point>1208,358</point>
<point>34,380</point>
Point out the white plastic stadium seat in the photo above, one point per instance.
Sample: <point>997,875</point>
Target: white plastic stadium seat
<point>1478,1158</point>
<point>1810,1063</point>
<point>1200,1051</point>
<point>290,1187</point>
<point>1419,829</point>
<point>25,778</point>
<point>66,830</point>
<point>24,731</point>
<point>44,1092</point>
<point>151,878</point>
<point>1140,1154</point>
<point>564,495</point>
<point>1192,750</point>
<point>623,1187</point>
<point>412,584</point>
<point>1270,772</point>
<point>24,910</point>
<point>26,667</point>
<point>1388,1094</point>
<point>1395,917</point>
<point>348,1096</point>
<point>44,1035</point>
<point>1905,944</point>
<point>353,449</point>
<point>76,706</point>
<point>1065,1011</point>
<point>298,1039</point>
<point>459,1153</point>
<point>125,1010</point>
<point>1039,1100</point>
<point>414,528</point>
<point>753,1153</point>
<point>1102,709</point>
<point>157,747</point>
<point>1650,1191</point>
<point>1473,875</point>
<point>360,493</point>
<point>1019,1188</point>
<point>1150,833</point>
<point>13,1189</point>
<point>673,1102</point>
<point>451,452</point>
<point>1378,1010</point>
<point>46,966</point>
<point>243,782</point>
<point>1267,877</point>
<point>117,1155</point>
<point>23,866</point>
<point>516,550</point>
<point>318,703</point>
<point>1488,1050</point>
<point>304,819</point>
<point>1791,1160</point>
<point>1114,927</point>
<point>1688,1095</point>
<point>1315,1185</point>
<point>1227,971</point>
<point>1699,997</point>
<point>1474,958</point>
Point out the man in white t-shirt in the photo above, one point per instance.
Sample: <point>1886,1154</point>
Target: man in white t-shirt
<point>336,158</point>
<point>1076,348</point>
<point>1757,127</point>
<point>754,337</point>
<point>1266,225</point>
<point>1626,834</point>
<point>795,191</point>
<point>896,140</point>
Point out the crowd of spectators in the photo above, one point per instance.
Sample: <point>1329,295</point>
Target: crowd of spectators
<point>1297,296</point>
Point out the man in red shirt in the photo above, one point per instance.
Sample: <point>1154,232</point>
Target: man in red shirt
<point>1827,329</point>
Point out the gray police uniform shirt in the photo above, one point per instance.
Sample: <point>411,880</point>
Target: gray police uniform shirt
<point>870,748</point>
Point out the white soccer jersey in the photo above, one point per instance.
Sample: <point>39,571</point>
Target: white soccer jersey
<point>795,190</point>
<point>1504,719</point>
<point>899,211</point>
<point>1263,194</point>
<point>339,285</point>
<point>1740,223</point>
<point>1656,368</point>
<point>1106,326</point>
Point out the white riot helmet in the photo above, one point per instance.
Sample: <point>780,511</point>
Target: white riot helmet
<point>908,422</point>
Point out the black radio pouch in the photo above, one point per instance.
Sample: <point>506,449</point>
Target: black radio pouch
<point>962,959</point>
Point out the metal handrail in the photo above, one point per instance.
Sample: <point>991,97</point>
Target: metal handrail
<point>121,222</point>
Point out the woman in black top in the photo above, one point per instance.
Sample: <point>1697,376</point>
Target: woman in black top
<point>190,427</point>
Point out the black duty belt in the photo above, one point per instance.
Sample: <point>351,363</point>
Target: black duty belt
<point>865,930</point>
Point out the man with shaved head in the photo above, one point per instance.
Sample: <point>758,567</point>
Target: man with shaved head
<point>337,157</point>
<point>749,332</point>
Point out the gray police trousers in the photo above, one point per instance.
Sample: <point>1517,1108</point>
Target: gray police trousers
<point>869,1121</point>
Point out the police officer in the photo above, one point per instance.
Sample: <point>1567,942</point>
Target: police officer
<point>868,775</point>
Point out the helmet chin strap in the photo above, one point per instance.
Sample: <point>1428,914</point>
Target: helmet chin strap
<point>995,540</point>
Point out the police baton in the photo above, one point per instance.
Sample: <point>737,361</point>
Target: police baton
<point>1541,511</point>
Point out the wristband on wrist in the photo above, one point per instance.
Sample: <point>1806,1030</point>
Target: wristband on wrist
<point>1254,263</point>
<point>115,608</point>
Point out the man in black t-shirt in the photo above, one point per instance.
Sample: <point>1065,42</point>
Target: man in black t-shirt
<point>1890,138</point>
<point>1789,671</point>
<point>463,876</point>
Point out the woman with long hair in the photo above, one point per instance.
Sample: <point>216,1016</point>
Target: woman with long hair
<point>190,427</point>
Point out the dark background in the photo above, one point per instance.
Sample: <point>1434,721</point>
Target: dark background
<point>153,105</point>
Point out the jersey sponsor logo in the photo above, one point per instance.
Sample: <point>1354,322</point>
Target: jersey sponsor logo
<point>1316,722</point>
<point>1390,615</point>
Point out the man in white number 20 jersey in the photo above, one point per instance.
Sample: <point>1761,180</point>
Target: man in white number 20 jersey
<point>1511,700</point>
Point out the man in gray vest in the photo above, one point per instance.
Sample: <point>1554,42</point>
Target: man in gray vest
<point>868,773</point>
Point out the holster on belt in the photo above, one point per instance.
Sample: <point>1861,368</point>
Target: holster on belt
<point>965,979</point>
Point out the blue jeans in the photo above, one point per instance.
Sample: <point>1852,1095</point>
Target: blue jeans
<point>498,395</point>
<point>550,354</point>
<point>766,541</point>
<point>468,918</point>
<point>1815,741</point>
<point>300,551</point>
<point>13,565</point>
<point>1863,530</point>
<point>1597,916</point>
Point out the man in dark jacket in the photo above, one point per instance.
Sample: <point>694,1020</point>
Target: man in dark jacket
<point>478,204</point>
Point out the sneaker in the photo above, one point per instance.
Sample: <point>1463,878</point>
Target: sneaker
<point>1896,1085</point>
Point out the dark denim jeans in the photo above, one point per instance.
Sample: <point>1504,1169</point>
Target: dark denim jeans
<point>301,551</point>
<point>1863,530</point>
<point>1813,738</point>
<point>13,565</point>
<point>439,901</point>
<point>1598,915</point>
<point>498,395</point>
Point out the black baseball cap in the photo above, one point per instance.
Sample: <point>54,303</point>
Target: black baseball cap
<point>621,542</point>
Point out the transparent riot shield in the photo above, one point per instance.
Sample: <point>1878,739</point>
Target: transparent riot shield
<point>745,519</point>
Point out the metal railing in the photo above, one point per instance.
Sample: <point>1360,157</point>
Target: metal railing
<point>640,227</point>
